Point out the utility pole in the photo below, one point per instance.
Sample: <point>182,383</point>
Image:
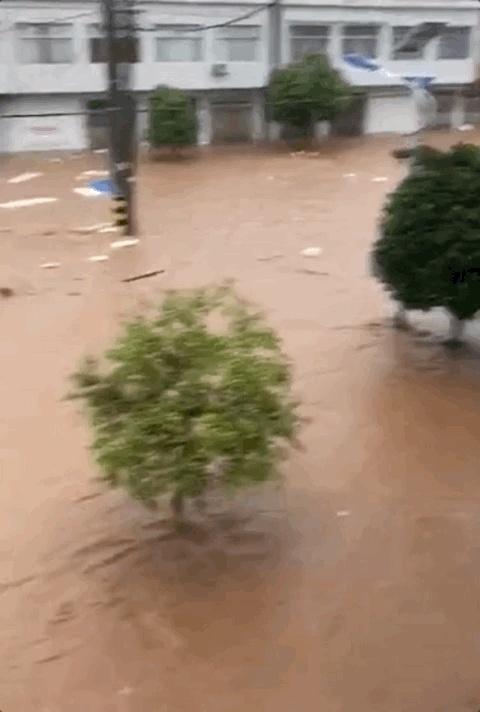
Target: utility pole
<point>275,35</point>
<point>120,37</point>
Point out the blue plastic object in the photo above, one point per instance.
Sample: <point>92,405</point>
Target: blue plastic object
<point>420,82</point>
<point>358,61</point>
<point>104,186</point>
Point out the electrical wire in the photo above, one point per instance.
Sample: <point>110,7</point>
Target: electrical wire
<point>226,23</point>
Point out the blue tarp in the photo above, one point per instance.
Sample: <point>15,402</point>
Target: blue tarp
<point>104,186</point>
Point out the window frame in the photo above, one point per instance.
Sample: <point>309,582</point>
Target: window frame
<point>44,34</point>
<point>399,55</point>
<point>225,37</point>
<point>95,35</point>
<point>454,31</point>
<point>173,32</point>
<point>349,36</point>
<point>298,33</point>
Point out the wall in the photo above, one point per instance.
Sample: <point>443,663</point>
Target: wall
<point>35,133</point>
<point>390,114</point>
<point>82,76</point>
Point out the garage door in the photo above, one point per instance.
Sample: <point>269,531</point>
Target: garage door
<point>232,123</point>
<point>390,114</point>
<point>39,133</point>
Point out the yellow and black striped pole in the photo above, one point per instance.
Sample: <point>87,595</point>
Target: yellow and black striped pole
<point>120,211</point>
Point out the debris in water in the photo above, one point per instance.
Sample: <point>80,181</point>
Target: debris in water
<point>379,179</point>
<point>311,251</point>
<point>101,150</point>
<point>23,177</point>
<point>144,275</point>
<point>271,257</point>
<point>6,292</point>
<point>123,243</point>
<point>349,175</point>
<point>343,513</point>
<point>93,174</point>
<point>465,127</point>
<point>50,265</point>
<point>98,258</point>
<point>87,192</point>
<point>27,202</point>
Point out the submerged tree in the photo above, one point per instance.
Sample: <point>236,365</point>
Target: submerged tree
<point>428,252</point>
<point>302,94</point>
<point>199,391</point>
<point>172,120</point>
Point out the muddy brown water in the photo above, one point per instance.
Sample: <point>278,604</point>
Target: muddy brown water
<point>354,587</point>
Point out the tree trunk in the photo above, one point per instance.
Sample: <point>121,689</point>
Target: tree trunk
<point>400,319</point>
<point>455,339</point>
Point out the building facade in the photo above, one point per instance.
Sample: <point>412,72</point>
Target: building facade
<point>53,72</point>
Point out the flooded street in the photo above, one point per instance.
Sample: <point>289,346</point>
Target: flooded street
<point>356,586</point>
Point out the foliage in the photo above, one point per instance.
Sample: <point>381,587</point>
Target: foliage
<point>309,91</point>
<point>199,389</point>
<point>430,233</point>
<point>172,118</point>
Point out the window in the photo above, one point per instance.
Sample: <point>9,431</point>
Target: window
<point>175,43</point>
<point>97,44</point>
<point>454,43</point>
<point>129,46</point>
<point>361,39</point>
<point>45,43</point>
<point>412,49</point>
<point>308,39</point>
<point>238,44</point>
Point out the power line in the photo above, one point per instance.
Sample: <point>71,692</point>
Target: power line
<point>226,23</point>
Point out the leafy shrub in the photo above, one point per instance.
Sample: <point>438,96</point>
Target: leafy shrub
<point>172,119</point>
<point>309,91</point>
<point>430,233</point>
<point>199,390</point>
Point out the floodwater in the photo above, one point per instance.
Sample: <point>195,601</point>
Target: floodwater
<point>356,586</point>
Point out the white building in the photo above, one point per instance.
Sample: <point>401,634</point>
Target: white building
<point>52,70</point>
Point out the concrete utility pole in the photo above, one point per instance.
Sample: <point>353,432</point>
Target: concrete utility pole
<point>275,35</point>
<point>120,36</point>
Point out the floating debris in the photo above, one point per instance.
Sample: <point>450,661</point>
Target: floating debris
<point>144,275</point>
<point>23,177</point>
<point>311,252</point>
<point>92,228</point>
<point>27,202</point>
<point>6,292</point>
<point>465,127</point>
<point>92,174</point>
<point>349,175</point>
<point>87,192</point>
<point>123,243</point>
<point>379,179</point>
<point>101,150</point>
<point>98,258</point>
<point>50,265</point>
<point>343,513</point>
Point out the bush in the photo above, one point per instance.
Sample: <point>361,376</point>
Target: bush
<point>307,92</point>
<point>172,119</point>
<point>181,404</point>
<point>430,233</point>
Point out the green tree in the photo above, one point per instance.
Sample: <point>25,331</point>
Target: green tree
<point>430,235</point>
<point>309,91</point>
<point>172,120</point>
<point>198,392</point>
